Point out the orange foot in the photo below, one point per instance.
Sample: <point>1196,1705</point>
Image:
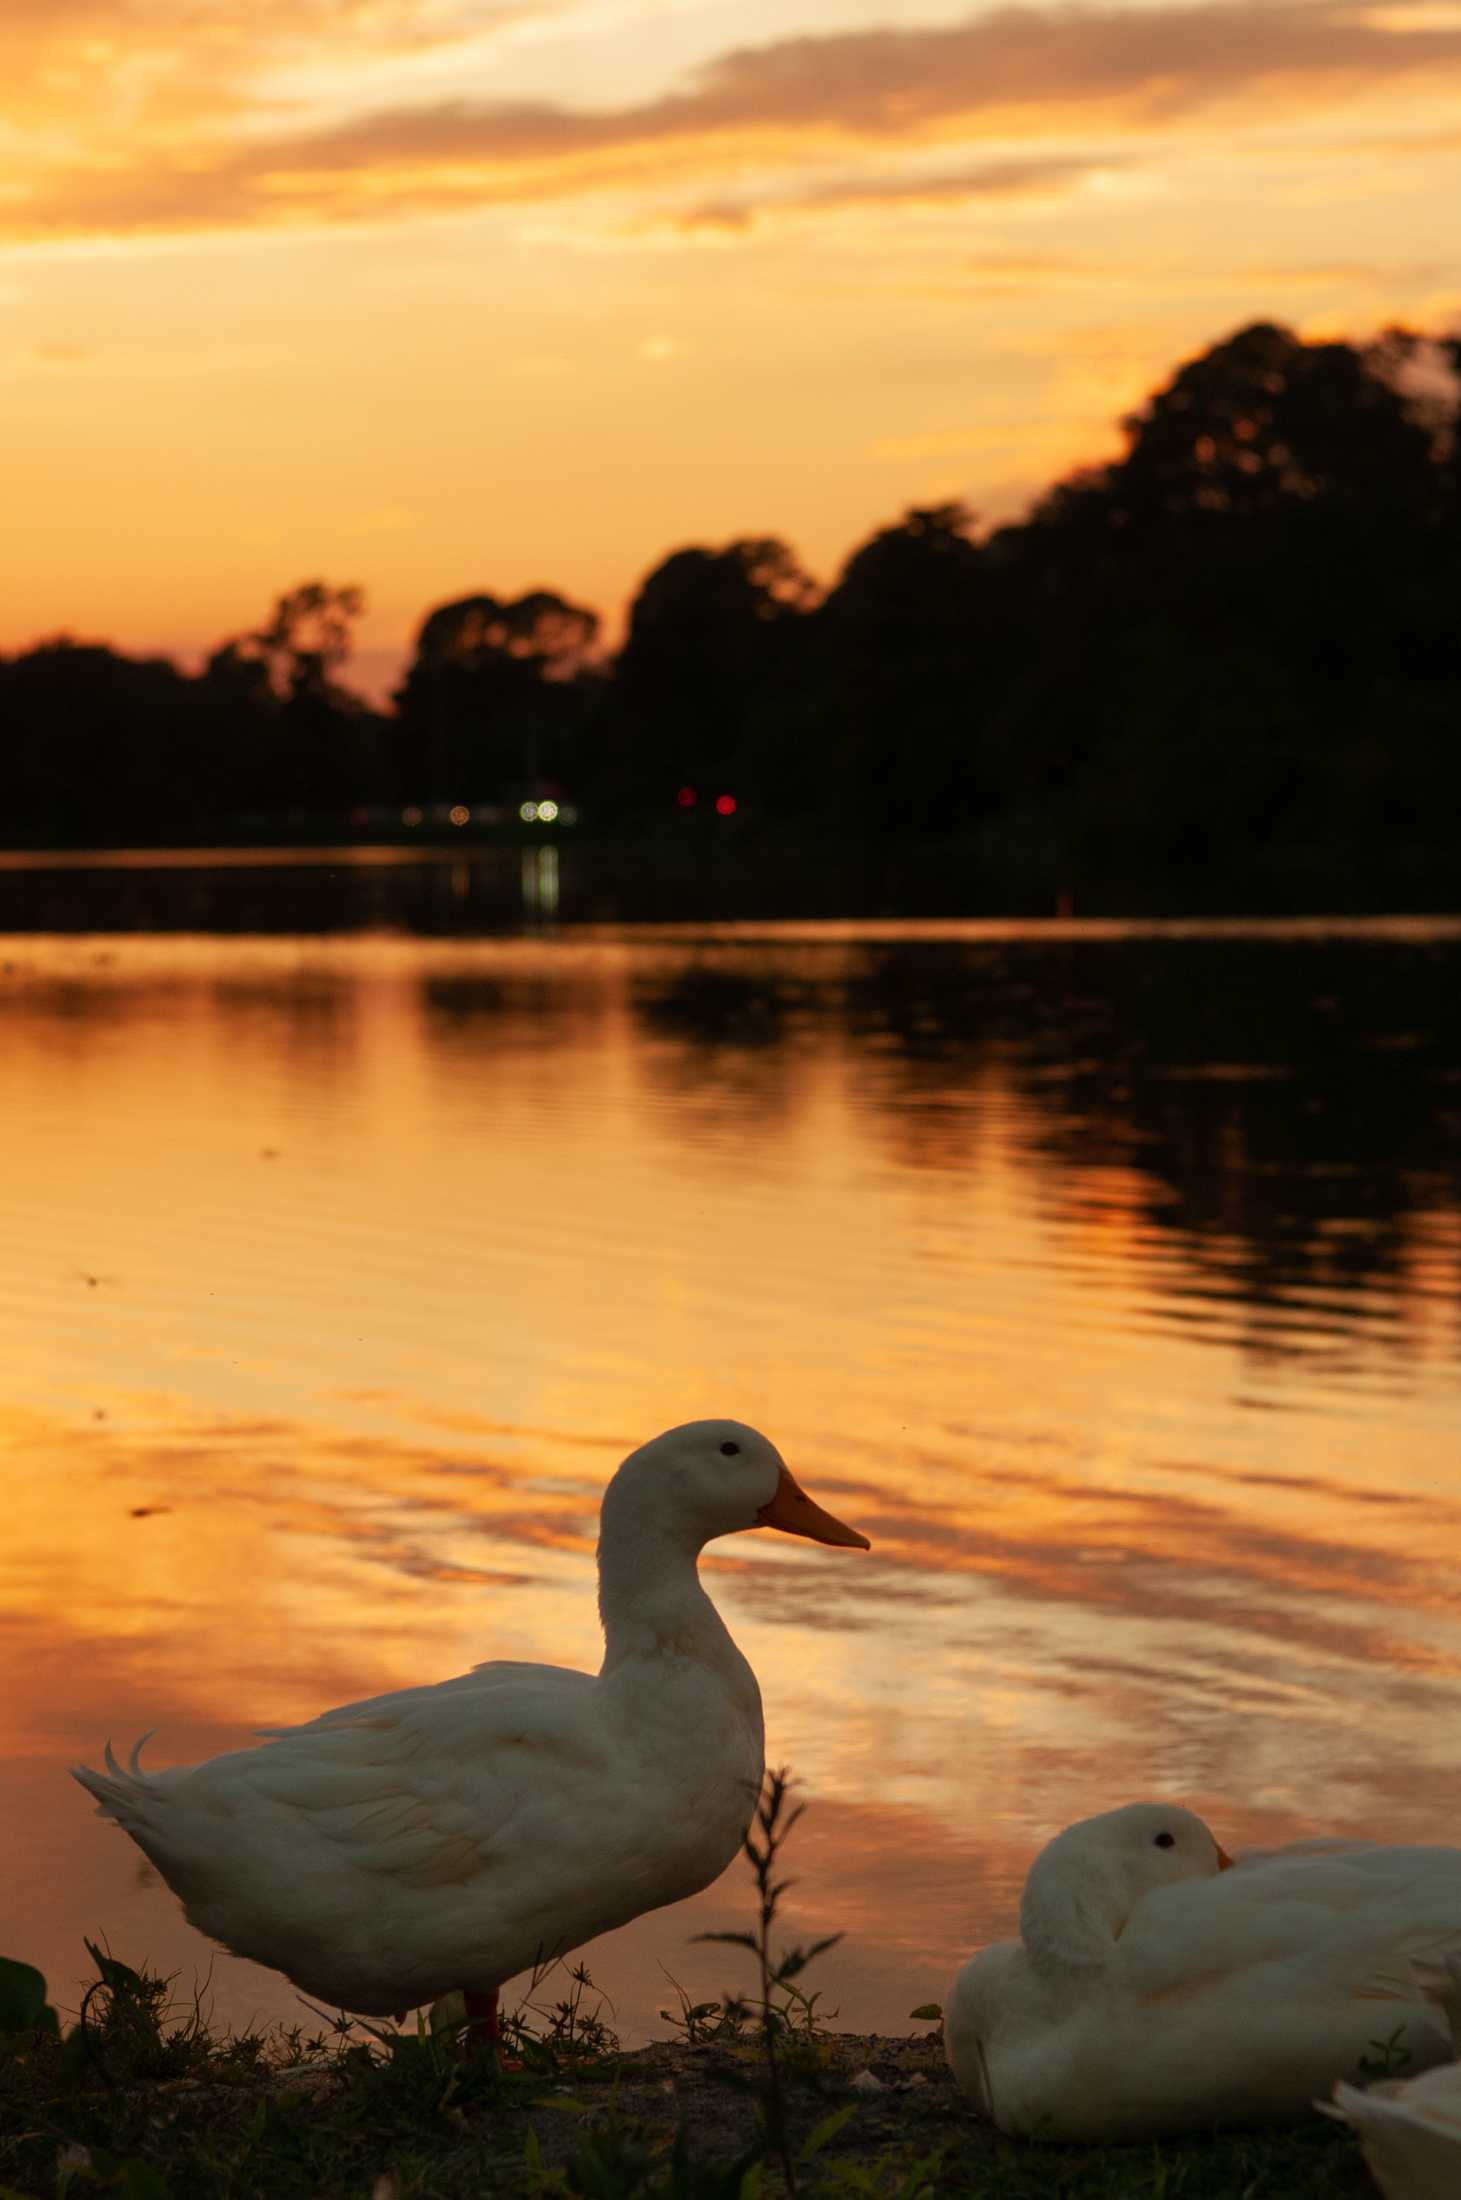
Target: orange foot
<point>483,2034</point>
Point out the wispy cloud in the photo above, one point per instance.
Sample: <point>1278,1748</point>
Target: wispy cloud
<point>194,137</point>
<point>836,194</point>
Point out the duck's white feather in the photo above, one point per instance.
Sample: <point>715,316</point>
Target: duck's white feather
<point>1234,1996</point>
<point>451,1836</point>
<point>1410,2128</point>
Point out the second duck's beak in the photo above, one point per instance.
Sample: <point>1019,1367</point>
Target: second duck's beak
<point>793,1512</point>
<point>1225,1862</point>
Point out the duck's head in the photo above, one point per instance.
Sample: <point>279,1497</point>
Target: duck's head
<point>1084,1885</point>
<point>717,1478</point>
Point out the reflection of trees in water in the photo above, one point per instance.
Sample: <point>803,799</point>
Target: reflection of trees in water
<point>472,893</point>
<point>1291,1109</point>
<point>312,1022</point>
<point>1282,1115</point>
<point>714,1006</point>
<point>533,1032</point>
<point>64,1015</point>
<point>721,1040</point>
<point>310,1017</point>
<point>1270,1122</point>
<point>924,1022</point>
<point>475,1020</point>
<point>460,1001</point>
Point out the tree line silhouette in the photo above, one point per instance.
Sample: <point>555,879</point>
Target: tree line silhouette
<point>1220,671</point>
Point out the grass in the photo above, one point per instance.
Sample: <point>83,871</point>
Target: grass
<point>756,2099</point>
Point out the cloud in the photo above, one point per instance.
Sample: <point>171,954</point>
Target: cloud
<point>982,179</point>
<point>1428,15</point>
<point>162,73</point>
<point>1019,70</point>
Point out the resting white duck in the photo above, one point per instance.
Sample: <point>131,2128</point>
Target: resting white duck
<point>1155,1990</point>
<point>1410,2128</point>
<point>448,1837</point>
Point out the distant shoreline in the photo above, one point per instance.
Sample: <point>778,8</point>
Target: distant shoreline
<point>756,874</point>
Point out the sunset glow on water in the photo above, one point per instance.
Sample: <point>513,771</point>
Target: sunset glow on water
<point>1108,1281</point>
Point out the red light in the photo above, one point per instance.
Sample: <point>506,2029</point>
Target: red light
<point>686,798</point>
<point>725,805</point>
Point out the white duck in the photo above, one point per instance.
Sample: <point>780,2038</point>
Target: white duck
<point>450,1836</point>
<point>1410,2128</point>
<point>1154,1990</point>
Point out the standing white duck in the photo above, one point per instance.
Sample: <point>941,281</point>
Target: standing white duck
<point>1410,2128</point>
<point>1155,1990</point>
<point>450,1836</point>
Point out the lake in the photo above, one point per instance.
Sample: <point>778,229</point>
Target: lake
<point>1106,1276</point>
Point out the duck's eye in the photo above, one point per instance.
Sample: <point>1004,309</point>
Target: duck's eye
<point>1164,1840</point>
<point>730,1449</point>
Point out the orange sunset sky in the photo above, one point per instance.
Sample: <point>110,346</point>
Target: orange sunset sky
<point>440,295</point>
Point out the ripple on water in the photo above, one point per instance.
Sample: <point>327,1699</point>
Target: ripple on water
<point>1107,1277</point>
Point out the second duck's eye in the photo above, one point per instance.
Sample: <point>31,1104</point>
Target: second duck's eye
<point>1164,1840</point>
<point>730,1450</point>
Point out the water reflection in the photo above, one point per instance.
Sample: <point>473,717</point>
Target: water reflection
<point>540,882</point>
<point>427,890</point>
<point>1110,1282</point>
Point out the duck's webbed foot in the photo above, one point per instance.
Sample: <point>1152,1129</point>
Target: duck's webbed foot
<point>483,2032</point>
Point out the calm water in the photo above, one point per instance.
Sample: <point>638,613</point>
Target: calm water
<point>1108,1279</point>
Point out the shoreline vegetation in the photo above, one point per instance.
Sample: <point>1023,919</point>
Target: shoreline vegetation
<point>756,869</point>
<point>142,2101</point>
<point>1217,675</point>
<point>757,2097</point>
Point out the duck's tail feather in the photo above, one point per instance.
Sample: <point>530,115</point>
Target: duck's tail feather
<point>119,1791</point>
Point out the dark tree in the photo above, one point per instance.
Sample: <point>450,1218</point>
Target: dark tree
<point>496,698</point>
<point>1222,671</point>
<point>313,747</point>
<point>306,639</point>
<point>98,748</point>
<point>900,673</point>
<point>1264,420</point>
<point>1208,629</point>
<point>710,633</point>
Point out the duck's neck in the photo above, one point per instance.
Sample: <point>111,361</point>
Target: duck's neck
<point>1070,1917</point>
<point>650,1598</point>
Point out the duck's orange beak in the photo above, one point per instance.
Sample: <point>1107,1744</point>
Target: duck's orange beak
<point>1225,1862</point>
<point>793,1512</point>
